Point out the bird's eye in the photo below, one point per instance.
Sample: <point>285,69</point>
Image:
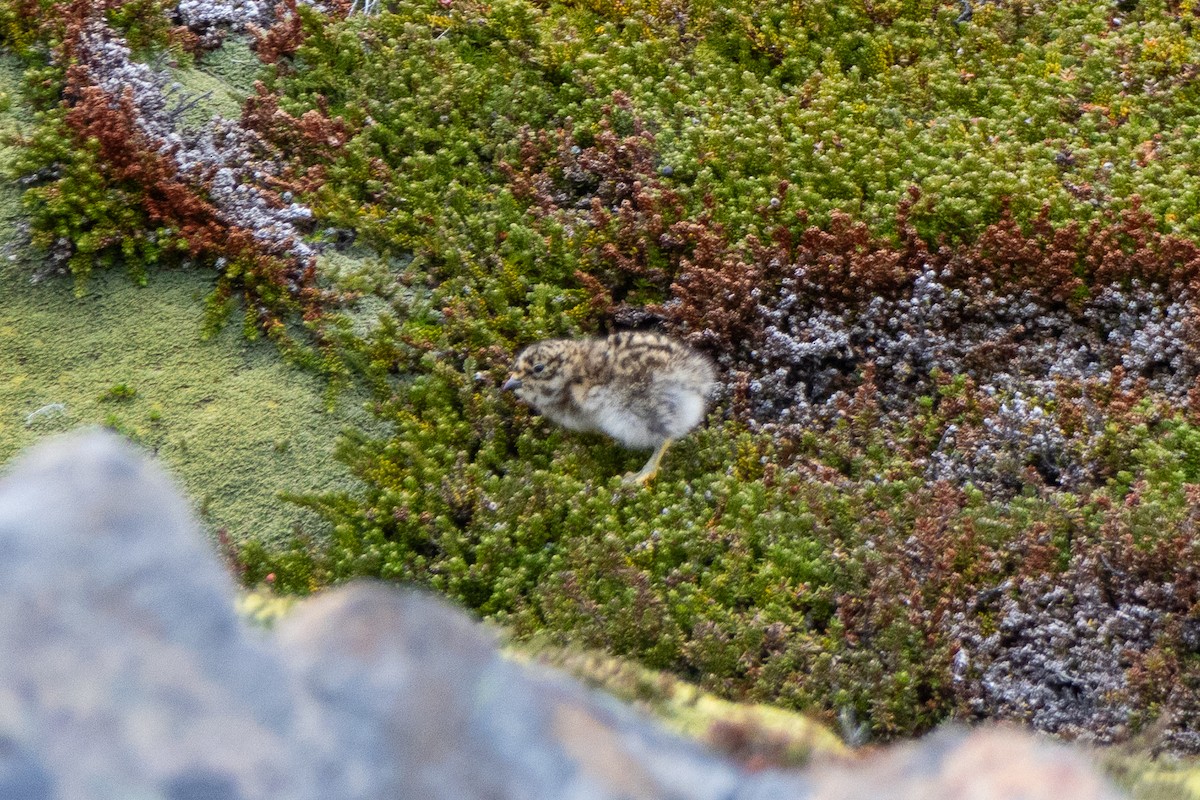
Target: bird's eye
<point>538,368</point>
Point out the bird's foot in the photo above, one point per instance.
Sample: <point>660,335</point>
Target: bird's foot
<point>647,472</point>
<point>638,478</point>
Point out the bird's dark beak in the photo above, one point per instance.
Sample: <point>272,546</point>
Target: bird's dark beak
<point>511,384</point>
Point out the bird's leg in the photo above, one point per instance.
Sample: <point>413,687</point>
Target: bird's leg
<point>651,469</point>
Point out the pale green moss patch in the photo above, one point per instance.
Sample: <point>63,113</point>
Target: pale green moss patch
<point>218,83</point>
<point>230,418</point>
<point>210,95</point>
<point>233,64</point>
<point>264,608</point>
<point>1149,778</point>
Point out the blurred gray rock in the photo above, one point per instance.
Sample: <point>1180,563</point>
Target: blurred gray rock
<point>125,671</point>
<point>127,675</point>
<point>416,702</point>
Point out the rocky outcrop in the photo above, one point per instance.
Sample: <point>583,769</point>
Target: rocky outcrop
<point>126,673</point>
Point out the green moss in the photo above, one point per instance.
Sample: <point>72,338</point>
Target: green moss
<point>220,80</point>
<point>233,65</point>
<point>821,572</point>
<point>231,419</point>
<point>214,93</point>
<point>264,608</point>
<point>1152,778</point>
<point>120,393</point>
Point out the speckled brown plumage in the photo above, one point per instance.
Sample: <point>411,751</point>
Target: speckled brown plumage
<point>642,389</point>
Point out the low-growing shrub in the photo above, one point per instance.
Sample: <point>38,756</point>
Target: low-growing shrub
<point>947,269</point>
<point>860,587</point>
<point>946,265</point>
<point>119,393</point>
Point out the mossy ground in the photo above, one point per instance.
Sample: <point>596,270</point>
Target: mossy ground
<point>544,169</point>
<point>233,65</point>
<point>1151,778</point>
<point>220,80</point>
<point>230,418</point>
<point>774,183</point>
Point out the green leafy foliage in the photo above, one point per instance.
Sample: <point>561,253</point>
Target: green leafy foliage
<point>118,393</point>
<point>844,583</point>
<point>84,207</point>
<point>911,542</point>
<point>1071,105</point>
<point>742,171</point>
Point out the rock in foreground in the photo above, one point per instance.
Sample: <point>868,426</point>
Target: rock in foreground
<point>127,674</point>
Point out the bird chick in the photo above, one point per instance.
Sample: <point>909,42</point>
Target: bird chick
<point>642,389</point>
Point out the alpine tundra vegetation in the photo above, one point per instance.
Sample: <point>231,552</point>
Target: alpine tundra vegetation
<point>946,265</point>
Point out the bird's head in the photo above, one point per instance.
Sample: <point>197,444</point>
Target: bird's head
<point>540,373</point>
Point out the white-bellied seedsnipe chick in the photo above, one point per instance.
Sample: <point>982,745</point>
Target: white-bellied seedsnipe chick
<point>642,389</point>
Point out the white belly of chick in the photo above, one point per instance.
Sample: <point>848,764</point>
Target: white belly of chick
<point>644,422</point>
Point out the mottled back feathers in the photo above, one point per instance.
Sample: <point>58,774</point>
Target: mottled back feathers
<point>642,389</point>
